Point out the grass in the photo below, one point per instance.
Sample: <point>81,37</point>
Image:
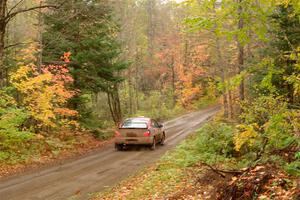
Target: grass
<point>162,179</point>
<point>211,144</point>
<point>177,173</point>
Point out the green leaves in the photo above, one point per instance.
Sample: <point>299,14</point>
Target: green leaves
<point>214,142</point>
<point>232,83</point>
<point>293,168</point>
<point>198,23</point>
<point>13,139</point>
<point>223,20</point>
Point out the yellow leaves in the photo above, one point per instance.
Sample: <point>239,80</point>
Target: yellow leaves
<point>44,93</point>
<point>247,135</point>
<point>283,2</point>
<point>40,105</point>
<point>21,74</point>
<point>36,93</point>
<point>25,83</point>
<point>286,3</point>
<point>71,124</point>
<point>28,55</point>
<point>294,78</point>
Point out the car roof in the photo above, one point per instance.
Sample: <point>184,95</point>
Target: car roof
<point>139,118</point>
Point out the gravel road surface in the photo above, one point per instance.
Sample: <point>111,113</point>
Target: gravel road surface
<point>98,170</point>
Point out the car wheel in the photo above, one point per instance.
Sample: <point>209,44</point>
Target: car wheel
<point>162,142</point>
<point>153,145</point>
<point>119,147</point>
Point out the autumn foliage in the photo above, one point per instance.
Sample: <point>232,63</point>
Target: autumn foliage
<point>44,92</point>
<point>187,68</point>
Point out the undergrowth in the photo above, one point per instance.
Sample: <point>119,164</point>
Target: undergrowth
<point>167,175</point>
<point>213,144</point>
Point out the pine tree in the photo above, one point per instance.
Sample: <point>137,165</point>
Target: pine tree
<point>287,40</point>
<point>280,65</point>
<point>87,30</point>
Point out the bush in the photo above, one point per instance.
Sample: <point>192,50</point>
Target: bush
<point>13,140</point>
<point>293,168</point>
<point>267,125</point>
<point>214,142</point>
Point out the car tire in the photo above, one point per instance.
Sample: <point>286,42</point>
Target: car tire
<point>119,147</point>
<point>153,145</point>
<point>162,142</point>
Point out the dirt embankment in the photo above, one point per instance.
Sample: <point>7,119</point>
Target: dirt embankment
<point>261,182</point>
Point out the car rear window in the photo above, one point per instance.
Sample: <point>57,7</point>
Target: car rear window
<point>131,123</point>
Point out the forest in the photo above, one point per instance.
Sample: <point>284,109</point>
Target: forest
<point>70,71</point>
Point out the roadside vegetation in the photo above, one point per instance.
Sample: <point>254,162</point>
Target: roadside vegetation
<point>70,71</point>
<point>251,151</point>
<point>207,166</point>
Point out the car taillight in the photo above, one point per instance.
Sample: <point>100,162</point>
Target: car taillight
<point>117,134</point>
<point>147,134</point>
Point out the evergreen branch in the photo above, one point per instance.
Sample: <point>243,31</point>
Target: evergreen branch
<point>61,63</point>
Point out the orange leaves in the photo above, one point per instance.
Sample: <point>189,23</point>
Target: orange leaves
<point>186,88</point>
<point>60,79</point>
<point>44,94</point>
<point>66,57</point>
<point>65,112</point>
<point>180,62</point>
<point>189,88</point>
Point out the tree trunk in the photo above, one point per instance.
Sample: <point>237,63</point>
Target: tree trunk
<point>240,69</point>
<point>241,52</point>
<point>186,53</point>
<point>40,39</point>
<point>220,64</point>
<point>223,76</point>
<point>2,67</point>
<point>3,6</point>
<point>136,84</point>
<point>151,27</point>
<point>114,105</point>
<point>173,82</point>
<point>230,102</point>
<point>130,92</point>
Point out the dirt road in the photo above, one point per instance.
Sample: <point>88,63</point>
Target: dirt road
<point>78,179</point>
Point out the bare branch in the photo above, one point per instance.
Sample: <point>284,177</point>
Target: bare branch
<point>12,15</point>
<point>221,171</point>
<point>15,6</point>
<point>17,44</point>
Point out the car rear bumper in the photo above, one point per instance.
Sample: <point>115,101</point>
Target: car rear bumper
<point>134,140</point>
